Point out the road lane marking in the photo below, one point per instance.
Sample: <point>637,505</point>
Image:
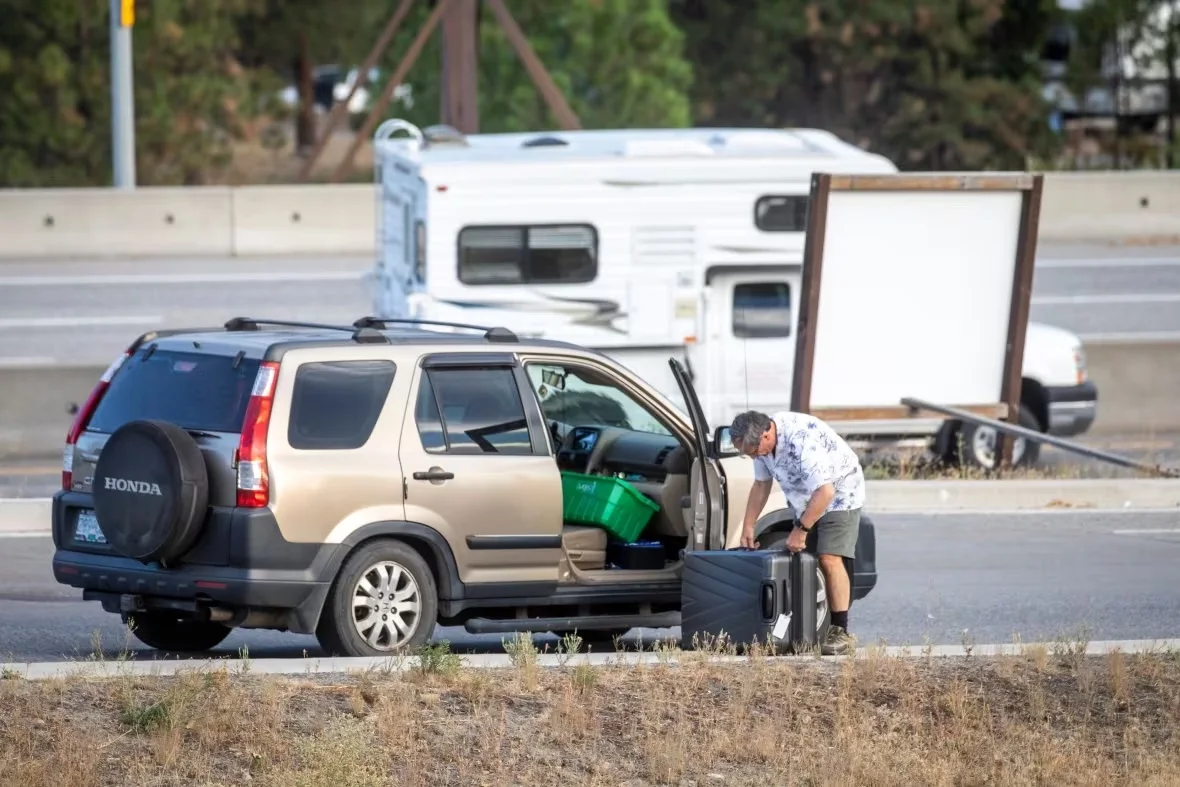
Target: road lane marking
<point>1146,531</point>
<point>1157,337</point>
<point>25,361</point>
<point>125,279</point>
<point>81,322</point>
<point>1114,263</point>
<point>1106,300</point>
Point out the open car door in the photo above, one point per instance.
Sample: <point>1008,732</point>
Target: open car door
<point>706,481</point>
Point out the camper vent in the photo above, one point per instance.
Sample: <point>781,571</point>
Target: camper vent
<point>444,135</point>
<point>545,142</point>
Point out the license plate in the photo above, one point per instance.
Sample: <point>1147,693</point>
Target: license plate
<point>87,529</point>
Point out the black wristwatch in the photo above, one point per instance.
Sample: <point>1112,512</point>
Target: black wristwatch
<point>805,529</point>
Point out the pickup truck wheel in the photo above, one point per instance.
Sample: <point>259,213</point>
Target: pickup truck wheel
<point>172,633</point>
<point>978,444</point>
<point>777,541</point>
<point>383,602</point>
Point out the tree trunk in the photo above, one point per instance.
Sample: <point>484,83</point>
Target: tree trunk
<point>1170,104</point>
<point>305,121</point>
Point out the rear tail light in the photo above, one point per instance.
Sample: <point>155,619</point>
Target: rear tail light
<point>253,479</point>
<point>82,419</point>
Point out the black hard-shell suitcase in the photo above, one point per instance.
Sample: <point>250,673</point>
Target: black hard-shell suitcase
<point>744,595</point>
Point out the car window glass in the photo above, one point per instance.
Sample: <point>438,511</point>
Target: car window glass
<point>193,390</point>
<point>595,402</point>
<point>335,405</point>
<point>481,412</point>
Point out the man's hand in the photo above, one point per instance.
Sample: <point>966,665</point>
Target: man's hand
<point>797,540</point>
<point>748,538</point>
<point>759,493</point>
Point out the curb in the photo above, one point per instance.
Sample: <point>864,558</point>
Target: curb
<point>672,657</point>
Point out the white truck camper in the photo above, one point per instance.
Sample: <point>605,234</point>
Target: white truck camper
<point>647,244</point>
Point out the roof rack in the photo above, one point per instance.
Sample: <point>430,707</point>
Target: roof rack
<point>493,334</point>
<point>360,334</point>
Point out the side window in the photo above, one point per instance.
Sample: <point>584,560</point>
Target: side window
<point>580,397</point>
<point>762,310</point>
<point>471,411</point>
<point>781,213</point>
<point>335,404</point>
<point>565,254</point>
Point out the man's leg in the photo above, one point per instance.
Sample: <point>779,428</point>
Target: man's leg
<point>836,534</point>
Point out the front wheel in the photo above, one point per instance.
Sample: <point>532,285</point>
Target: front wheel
<point>162,631</point>
<point>777,542</point>
<point>383,602</point>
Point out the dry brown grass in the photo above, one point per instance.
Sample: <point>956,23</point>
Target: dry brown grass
<point>1040,718</point>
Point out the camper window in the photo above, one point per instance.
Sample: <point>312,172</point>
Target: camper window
<point>781,213</point>
<point>761,310</point>
<point>566,254</point>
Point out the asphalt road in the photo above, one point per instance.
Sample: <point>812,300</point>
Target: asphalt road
<point>944,580</point>
<point>84,311</point>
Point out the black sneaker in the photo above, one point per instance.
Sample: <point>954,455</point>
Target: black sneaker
<point>838,642</point>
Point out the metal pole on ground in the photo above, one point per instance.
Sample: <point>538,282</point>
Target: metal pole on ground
<point>122,97</point>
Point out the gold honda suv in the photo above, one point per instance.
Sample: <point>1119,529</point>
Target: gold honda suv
<point>368,482</point>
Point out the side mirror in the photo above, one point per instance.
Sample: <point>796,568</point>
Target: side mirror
<point>722,444</point>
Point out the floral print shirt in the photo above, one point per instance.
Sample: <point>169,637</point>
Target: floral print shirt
<point>808,454</point>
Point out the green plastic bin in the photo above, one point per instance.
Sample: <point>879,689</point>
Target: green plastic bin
<point>610,503</point>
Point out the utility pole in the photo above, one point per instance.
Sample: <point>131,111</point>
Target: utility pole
<point>460,67</point>
<point>122,97</point>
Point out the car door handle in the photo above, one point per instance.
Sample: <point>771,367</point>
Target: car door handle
<point>433,474</point>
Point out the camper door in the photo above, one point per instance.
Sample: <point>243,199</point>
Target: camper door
<point>750,320</point>
<point>401,254</point>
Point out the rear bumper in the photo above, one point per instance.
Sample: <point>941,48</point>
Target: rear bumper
<point>209,585</point>
<point>1072,408</point>
<point>240,562</point>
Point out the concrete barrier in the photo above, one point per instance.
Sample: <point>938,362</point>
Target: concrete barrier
<point>304,219</point>
<point>35,408</point>
<point>1138,387</point>
<point>93,223</point>
<point>1089,206</point>
<point>340,218</point>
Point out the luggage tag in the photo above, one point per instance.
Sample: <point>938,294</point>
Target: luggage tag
<point>781,625</point>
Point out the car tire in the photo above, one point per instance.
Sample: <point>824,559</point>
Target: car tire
<point>776,541</point>
<point>165,632</point>
<point>344,630</point>
<point>977,444</point>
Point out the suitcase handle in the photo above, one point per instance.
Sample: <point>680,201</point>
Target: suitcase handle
<point>767,600</point>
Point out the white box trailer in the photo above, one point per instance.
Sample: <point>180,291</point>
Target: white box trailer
<point>653,243</point>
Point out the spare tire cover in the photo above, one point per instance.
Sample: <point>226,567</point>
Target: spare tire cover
<point>151,490</point>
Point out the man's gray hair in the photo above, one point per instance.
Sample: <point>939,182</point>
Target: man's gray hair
<point>748,427</point>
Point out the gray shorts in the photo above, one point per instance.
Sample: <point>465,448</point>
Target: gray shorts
<point>835,534</point>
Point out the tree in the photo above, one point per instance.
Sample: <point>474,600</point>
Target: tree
<point>292,37</point>
<point>931,85</point>
<point>190,94</point>
<point>619,63</point>
<point>1133,48</point>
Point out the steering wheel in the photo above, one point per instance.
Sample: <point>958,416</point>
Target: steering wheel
<point>606,436</point>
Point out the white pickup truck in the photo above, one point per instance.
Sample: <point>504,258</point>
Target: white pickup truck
<point>1056,397</point>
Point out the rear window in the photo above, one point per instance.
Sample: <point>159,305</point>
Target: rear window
<point>192,390</point>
